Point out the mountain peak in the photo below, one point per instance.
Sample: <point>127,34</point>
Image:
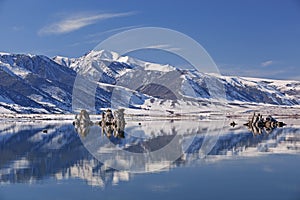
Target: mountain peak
<point>103,55</point>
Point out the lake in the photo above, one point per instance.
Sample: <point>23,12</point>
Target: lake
<point>152,159</point>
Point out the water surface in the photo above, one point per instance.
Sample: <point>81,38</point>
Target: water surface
<point>47,160</point>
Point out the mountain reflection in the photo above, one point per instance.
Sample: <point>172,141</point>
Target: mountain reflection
<point>29,153</point>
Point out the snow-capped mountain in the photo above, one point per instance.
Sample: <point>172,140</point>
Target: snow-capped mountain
<point>34,84</point>
<point>38,84</point>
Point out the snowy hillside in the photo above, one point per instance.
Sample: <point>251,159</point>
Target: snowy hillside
<point>30,84</point>
<point>38,84</point>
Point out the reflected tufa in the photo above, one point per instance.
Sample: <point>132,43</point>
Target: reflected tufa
<point>113,124</point>
<point>257,124</point>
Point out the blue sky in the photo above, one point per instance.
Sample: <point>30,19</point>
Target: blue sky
<point>247,38</point>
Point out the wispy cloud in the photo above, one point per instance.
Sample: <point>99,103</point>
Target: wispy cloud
<point>75,22</point>
<point>267,63</point>
<point>95,37</point>
<point>281,72</point>
<point>165,47</point>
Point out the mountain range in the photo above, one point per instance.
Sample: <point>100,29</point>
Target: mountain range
<point>39,84</point>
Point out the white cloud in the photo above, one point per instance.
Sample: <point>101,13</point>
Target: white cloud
<point>92,38</point>
<point>267,63</point>
<point>165,47</point>
<point>277,72</point>
<point>75,22</point>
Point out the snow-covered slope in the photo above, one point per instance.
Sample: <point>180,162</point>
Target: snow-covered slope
<point>38,84</point>
<point>34,84</point>
<point>142,76</point>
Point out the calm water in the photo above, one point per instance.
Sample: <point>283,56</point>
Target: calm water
<point>48,160</point>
